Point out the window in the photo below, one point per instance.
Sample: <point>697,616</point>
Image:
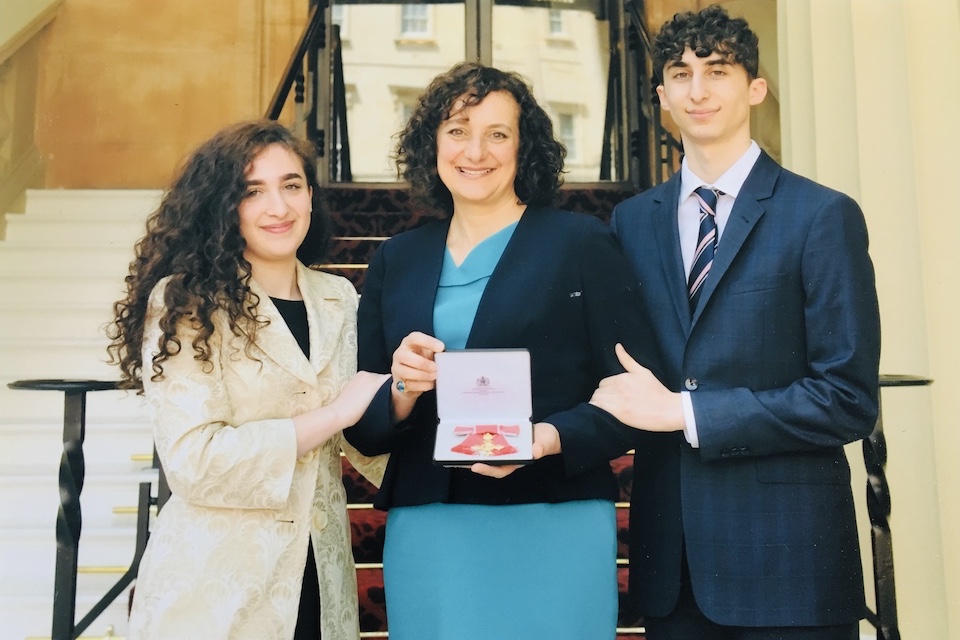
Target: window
<point>567,132</point>
<point>414,20</point>
<point>556,22</point>
<point>405,101</point>
<point>406,110</point>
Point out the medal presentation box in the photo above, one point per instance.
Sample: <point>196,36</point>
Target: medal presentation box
<point>483,407</point>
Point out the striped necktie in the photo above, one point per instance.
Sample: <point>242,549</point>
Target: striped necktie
<point>706,243</point>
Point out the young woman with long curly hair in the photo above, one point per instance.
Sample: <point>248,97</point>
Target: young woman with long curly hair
<point>247,360</point>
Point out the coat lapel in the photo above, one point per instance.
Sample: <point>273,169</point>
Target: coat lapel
<point>667,234</point>
<point>746,212</point>
<point>326,313</point>
<point>323,312</point>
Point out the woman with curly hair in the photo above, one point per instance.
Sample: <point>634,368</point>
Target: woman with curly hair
<point>496,551</point>
<point>247,360</point>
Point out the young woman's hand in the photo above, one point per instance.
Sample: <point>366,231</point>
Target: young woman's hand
<point>356,396</point>
<point>317,425</point>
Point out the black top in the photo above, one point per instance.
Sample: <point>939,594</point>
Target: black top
<point>294,313</point>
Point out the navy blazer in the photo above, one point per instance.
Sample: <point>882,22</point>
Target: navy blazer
<point>562,290</point>
<point>781,361</point>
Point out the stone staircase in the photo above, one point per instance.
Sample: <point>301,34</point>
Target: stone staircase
<point>62,265</point>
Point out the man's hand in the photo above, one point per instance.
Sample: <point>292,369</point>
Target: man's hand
<point>637,399</point>
<point>546,442</point>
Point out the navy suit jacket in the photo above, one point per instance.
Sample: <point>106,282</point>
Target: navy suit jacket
<point>781,361</point>
<point>561,289</point>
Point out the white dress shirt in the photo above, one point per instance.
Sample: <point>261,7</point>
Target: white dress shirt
<point>688,222</point>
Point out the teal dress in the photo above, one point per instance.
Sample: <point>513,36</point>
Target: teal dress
<point>497,572</point>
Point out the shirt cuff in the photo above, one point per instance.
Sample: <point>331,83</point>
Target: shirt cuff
<point>689,420</point>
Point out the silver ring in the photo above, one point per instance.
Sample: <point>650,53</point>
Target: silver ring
<point>401,386</point>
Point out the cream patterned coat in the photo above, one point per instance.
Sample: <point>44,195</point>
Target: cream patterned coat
<point>227,552</point>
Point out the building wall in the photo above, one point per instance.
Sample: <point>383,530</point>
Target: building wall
<point>932,40</point>
<point>128,88</point>
<point>23,34</point>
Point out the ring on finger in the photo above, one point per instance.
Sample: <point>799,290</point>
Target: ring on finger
<point>401,386</point>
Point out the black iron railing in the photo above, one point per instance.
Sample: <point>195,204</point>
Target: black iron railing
<point>320,102</point>
<point>884,619</point>
<point>340,170</point>
<point>611,162</point>
<point>651,142</point>
<point>312,39</point>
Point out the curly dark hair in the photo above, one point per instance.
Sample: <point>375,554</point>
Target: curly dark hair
<point>539,158</point>
<point>711,30</point>
<point>194,237</point>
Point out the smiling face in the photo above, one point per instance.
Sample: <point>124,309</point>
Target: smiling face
<point>710,99</point>
<point>477,152</point>
<point>275,210</point>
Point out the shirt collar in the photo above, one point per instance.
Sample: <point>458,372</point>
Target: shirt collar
<point>729,183</point>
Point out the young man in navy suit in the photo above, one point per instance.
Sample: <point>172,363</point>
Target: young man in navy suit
<point>764,305</point>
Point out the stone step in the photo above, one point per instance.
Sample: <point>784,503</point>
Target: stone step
<point>107,448</point>
<point>31,501</point>
<point>107,408</point>
<point>56,261</point>
<point>83,203</point>
<point>87,231</point>
<point>27,558</point>
<point>80,321</point>
<point>28,617</point>
<point>61,295</point>
<point>55,358</point>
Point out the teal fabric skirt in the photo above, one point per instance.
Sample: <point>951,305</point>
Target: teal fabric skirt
<point>479,572</point>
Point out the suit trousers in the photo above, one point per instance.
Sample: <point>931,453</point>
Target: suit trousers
<point>687,622</point>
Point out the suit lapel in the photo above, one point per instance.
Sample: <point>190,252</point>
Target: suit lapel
<point>667,234</point>
<point>746,212</point>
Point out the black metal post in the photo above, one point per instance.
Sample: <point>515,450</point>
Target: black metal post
<point>69,517</point>
<point>878,509</point>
